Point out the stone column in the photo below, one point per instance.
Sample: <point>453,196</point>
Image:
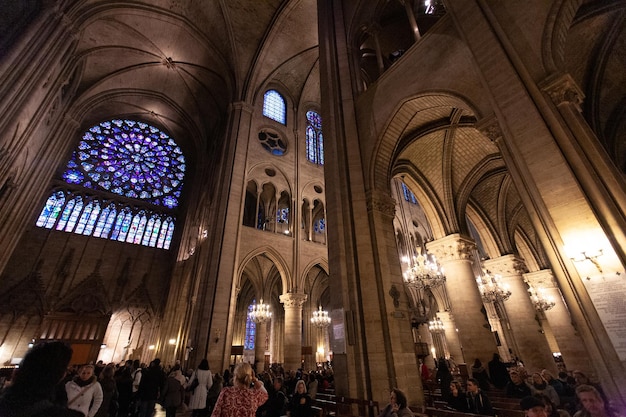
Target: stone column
<point>455,253</point>
<point>533,347</point>
<point>569,343</point>
<point>292,303</point>
<point>260,345</point>
<point>408,5</point>
<point>451,335</point>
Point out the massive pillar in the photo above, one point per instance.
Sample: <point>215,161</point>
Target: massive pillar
<point>292,303</point>
<point>454,252</point>
<point>260,346</point>
<point>533,347</point>
<point>569,343</point>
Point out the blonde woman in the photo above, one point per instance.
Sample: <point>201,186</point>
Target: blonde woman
<point>84,392</point>
<point>242,399</point>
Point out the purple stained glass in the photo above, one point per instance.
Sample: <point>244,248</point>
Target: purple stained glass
<point>131,159</point>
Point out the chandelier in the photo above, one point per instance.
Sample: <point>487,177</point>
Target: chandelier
<point>491,288</point>
<point>436,326</point>
<point>540,299</point>
<point>260,313</point>
<point>424,274</point>
<point>320,318</point>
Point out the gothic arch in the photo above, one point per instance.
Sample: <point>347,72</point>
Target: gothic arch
<point>276,258</point>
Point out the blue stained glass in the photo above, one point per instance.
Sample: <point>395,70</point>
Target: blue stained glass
<point>162,234</point>
<point>155,232</point>
<point>66,214</point>
<point>314,139</point>
<point>82,222</point>
<point>102,221</point>
<point>125,227</point>
<point>51,210</point>
<point>109,222</point>
<point>250,331</point>
<point>146,159</point>
<point>78,208</point>
<point>148,232</point>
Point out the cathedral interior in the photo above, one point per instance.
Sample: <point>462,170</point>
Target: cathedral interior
<point>360,183</point>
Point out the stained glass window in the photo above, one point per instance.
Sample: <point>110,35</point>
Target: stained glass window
<point>128,158</point>
<point>250,330</point>
<point>133,226</point>
<point>274,106</point>
<point>314,138</point>
<point>408,194</point>
<point>282,215</point>
<point>319,226</point>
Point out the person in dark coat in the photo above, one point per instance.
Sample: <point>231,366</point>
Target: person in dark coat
<point>152,380</point>
<point>477,401</point>
<point>444,377</point>
<point>498,371</point>
<point>173,393</point>
<point>480,373</point>
<point>457,398</point>
<point>33,388</point>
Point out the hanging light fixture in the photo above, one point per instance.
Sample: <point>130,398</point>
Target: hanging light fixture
<point>424,273</point>
<point>540,299</point>
<point>320,318</point>
<point>491,288</point>
<point>260,312</point>
<point>436,326</point>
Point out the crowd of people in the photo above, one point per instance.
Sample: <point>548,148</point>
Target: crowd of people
<point>567,395</point>
<point>46,386</point>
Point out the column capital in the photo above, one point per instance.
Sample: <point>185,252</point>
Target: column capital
<point>561,88</point>
<point>506,265</point>
<point>543,278</point>
<point>293,299</point>
<point>381,202</point>
<point>490,127</point>
<point>452,248</point>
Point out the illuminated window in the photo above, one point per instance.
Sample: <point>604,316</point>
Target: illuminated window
<point>274,106</point>
<point>314,138</point>
<point>125,158</point>
<point>250,330</point>
<point>408,194</point>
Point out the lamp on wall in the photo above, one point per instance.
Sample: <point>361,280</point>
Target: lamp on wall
<point>424,273</point>
<point>591,256</point>
<point>260,312</point>
<point>491,287</point>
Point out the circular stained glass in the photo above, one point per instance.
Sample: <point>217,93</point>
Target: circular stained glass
<point>129,158</point>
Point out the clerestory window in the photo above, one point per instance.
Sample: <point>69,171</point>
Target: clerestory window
<point>274,106</point>
<point>314,138</point>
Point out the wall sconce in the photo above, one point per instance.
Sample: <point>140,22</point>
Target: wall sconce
<point>151,347</point>
<point>172,341</point>
<point>103,346</point>
<point>31,344</point>
<point>218,334</point>
<point>589,256</point>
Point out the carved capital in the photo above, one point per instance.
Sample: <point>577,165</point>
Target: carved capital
<point>490,128</point>
<point>452,248</point>
<point>506,265</point>
<point>543,278</point>
<point>381,202</point>
<point>562,89</point>
<point>292,299</point>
